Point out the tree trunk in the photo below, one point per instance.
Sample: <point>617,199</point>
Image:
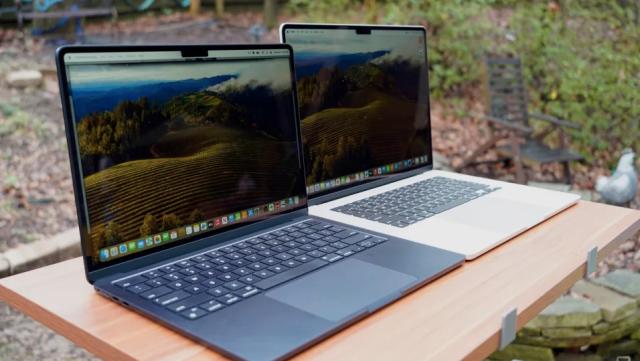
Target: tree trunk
<point>270,13</point>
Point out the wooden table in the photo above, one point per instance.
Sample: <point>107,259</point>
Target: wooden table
<point>456,317</point>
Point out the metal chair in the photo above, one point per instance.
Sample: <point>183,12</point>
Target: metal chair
<point>509,119</point>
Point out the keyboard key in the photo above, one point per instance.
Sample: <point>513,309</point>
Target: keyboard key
<point>211,306</point>
<point>345,234</point>
<point>169,269</point>
<point>209,273</point>
<point>283,256</point>
<point>189,271</point>
<point>194,289</point>
<point>218,291</point>
<point>291,263</point>
<point>193,313</point>
<point>332,257</point>
<point>176,285</point>
<point>296,252</point>
<point>240,262</point>
<point>141,287</point>
<point>156,282</point>
<point>173,276</point>
<point>189,302</point>
<point>327,249</point>
<point>156,292</point>
<point>339,245</point>
<point>153,273</point>
<point>171,297</point>
<point>204,266</point>
<point>228,276</point>
<point>234,285</point>
<point>247,291</point>
<point>183,264</point>
<point>278,268</point>
<point>257,266</point>
<point>248,279</point>
<point>194,279</point>
<point>303,258</point>
<point>290,274</point>
<point>228,249</point>
<point>316,254</point>
<point>212,283</point>
<point>228,299</point>
<point>264,274</point>
<point>242,271</point>
<point>356,238</point>
<point>130,281</point>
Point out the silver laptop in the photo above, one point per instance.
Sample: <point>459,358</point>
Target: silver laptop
<point>363,97</point>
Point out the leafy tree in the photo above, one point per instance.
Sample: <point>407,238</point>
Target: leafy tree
<point>196,216</point>
<point>170,221</point>
<point>149,225</point>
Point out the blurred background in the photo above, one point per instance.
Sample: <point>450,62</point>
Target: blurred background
<point>580,62</point>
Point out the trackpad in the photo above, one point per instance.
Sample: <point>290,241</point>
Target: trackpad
<point>340,290</point>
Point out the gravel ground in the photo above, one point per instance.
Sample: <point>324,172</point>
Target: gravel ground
<point>23,339</point>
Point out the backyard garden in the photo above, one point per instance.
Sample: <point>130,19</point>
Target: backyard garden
<point>580,63</point>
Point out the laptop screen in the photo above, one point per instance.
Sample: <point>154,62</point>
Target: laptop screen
<point>363,100</point>
<point>172,148</point>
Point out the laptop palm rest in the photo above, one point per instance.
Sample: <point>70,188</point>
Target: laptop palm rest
<point>343,289</point>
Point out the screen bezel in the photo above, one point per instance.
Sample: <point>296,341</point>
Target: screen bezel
<point>92,269</point>
<point>376,181</point>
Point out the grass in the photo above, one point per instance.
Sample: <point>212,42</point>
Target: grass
<point>222,160</point>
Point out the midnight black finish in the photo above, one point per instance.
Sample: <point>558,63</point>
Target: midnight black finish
<point>93,270</point>
<point>267,321</point>
<point>268,325</point>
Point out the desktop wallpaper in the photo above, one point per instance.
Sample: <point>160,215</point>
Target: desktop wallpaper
<point>362,98</point>
<point>170,144</point>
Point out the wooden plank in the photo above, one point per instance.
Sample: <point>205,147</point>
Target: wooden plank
<point>456,317</point>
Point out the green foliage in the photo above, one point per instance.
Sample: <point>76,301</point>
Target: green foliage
<point>580,57</point>
<point>116,133</point>
<point>149,225</point>
<point>583,68</point>
<point>170,221</point>
<point>196,216</point>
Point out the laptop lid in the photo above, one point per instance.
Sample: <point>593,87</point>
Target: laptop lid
<point>363,98</point>
<point>174,144</point>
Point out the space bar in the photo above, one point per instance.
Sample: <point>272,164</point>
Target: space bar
<point>290,274</point>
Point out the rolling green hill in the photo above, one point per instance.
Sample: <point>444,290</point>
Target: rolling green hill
<point>377,118</point>
<point>211,168</point>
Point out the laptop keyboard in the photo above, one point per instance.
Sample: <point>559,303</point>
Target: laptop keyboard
<point>407,205</point>
<point>215,279</point>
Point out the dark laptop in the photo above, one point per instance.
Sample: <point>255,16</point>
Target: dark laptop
<point>190,193</point>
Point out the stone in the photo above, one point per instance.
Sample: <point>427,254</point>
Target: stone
<point>5,267</point>
<point>571,356</point>
<point>623,281</point>
<point>523,352</point>
<point>529,331</point>
<point>568,311</point>
<point>566,332</point>
<point>629,323</point>
<point>441,162</point>
<point>614,305</point>
<point>24,78</point>
<point>622,348</point>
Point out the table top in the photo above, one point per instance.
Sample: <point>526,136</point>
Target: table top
<point>455,317</point>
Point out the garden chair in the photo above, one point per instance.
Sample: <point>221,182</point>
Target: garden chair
<point>509,119</point>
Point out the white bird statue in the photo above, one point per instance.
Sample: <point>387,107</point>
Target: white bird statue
<point>621,187</point>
